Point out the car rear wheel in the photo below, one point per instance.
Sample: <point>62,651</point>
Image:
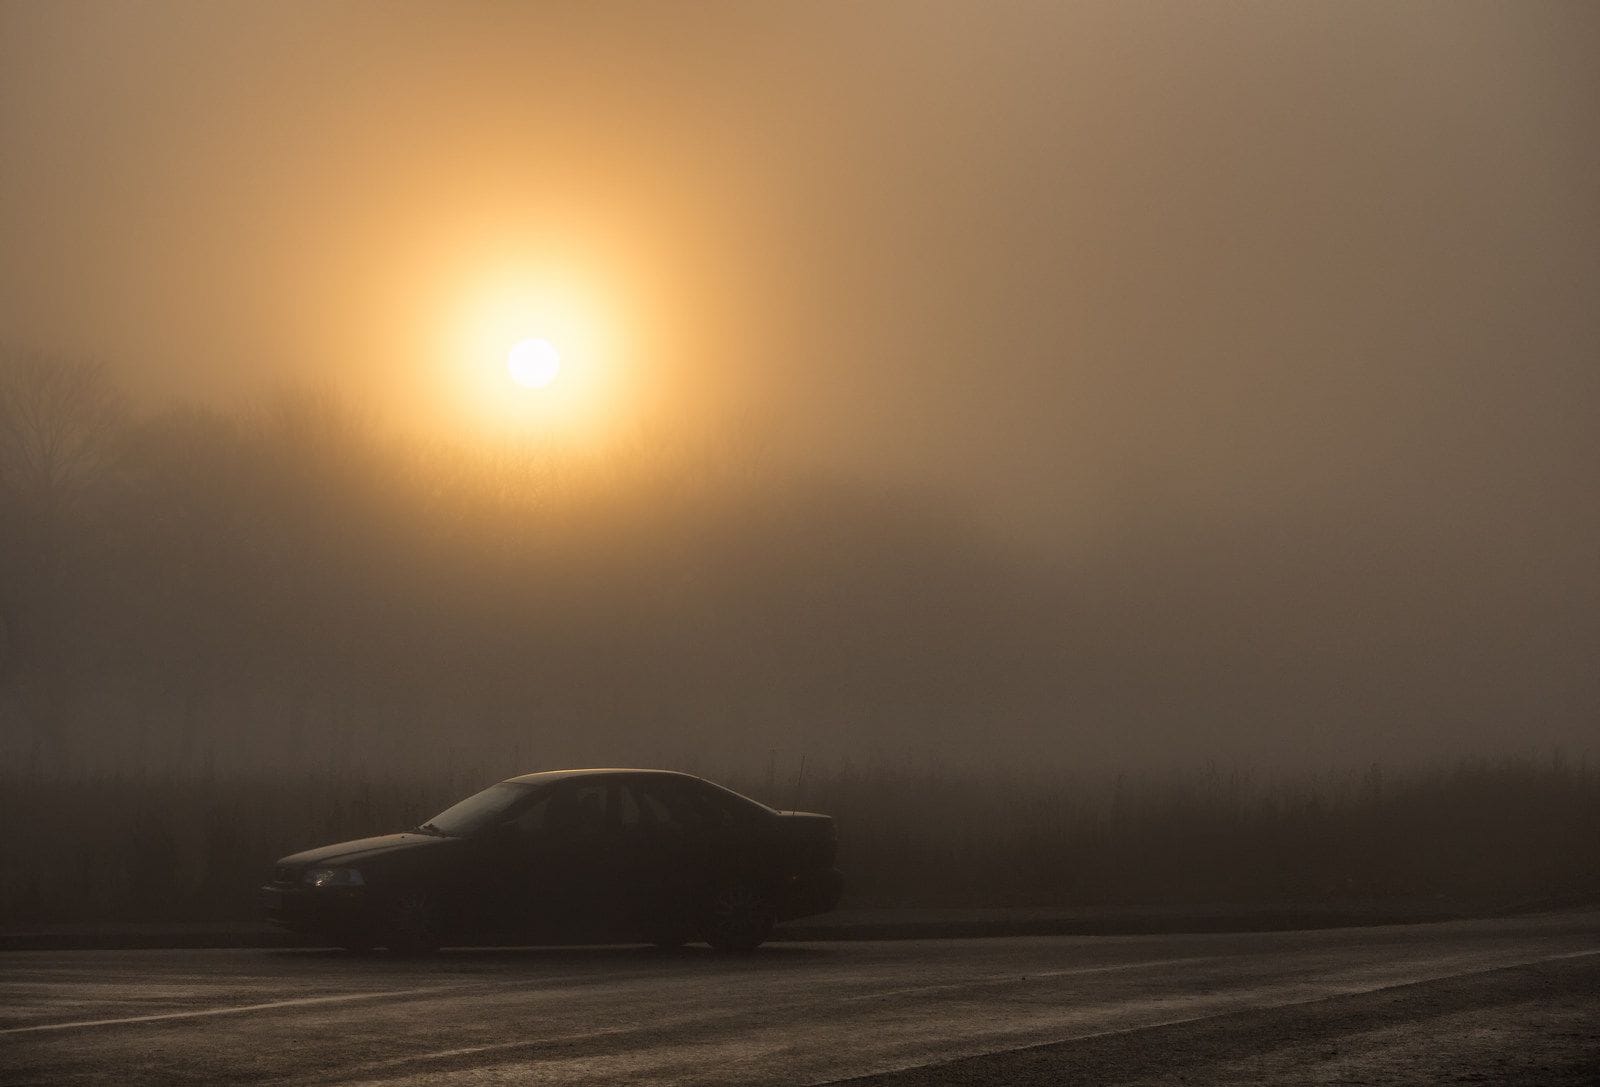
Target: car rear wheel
<point>739,917</point>
<point>670,936</point>
<point>414,923</point>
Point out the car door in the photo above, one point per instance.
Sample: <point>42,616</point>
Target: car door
<point>654,857</point>
<point>557,860</point>
<point>690,842</point>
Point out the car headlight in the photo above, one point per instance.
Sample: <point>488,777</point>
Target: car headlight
<point>333,877</point>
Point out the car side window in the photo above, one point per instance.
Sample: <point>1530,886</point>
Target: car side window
<point>718,811</point>
<point>629,816</point>
<point>575,810</point>
<point>530,821</point>
<point>679,805</point>
<point>653,811</point>
<point>579,811</point>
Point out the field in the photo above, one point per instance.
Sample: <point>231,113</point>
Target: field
<point>1472,835</point>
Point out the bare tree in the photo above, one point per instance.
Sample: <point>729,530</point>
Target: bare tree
<point>60,422</point>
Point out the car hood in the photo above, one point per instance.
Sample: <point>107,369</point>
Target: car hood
<point>365,848</point>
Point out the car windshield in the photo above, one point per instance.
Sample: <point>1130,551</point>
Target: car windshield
<point>481,810</point>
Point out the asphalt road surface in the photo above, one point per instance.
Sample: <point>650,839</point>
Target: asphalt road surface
<point>1500,1001</point>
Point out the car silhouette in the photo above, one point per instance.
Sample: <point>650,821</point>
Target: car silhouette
<point>569,856</point>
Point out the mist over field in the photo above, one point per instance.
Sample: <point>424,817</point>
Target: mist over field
<point>293,585</point>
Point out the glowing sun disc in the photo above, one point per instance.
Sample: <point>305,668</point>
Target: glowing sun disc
<point>534,364</point>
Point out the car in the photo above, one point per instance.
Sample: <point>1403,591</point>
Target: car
<point>568,856</point>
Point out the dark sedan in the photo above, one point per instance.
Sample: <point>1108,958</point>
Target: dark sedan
<point>569,856</point>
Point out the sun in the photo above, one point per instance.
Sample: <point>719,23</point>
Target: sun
<point>536,357</point>
<point>533,364</point>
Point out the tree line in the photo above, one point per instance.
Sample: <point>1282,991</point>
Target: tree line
<point>284,582</point>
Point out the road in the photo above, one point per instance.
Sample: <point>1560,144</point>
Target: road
<point>1509,1000</point>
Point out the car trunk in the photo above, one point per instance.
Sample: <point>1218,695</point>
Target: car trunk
<point>814,837</point>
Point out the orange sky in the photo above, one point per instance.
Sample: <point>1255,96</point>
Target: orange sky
<point>1261,259</point>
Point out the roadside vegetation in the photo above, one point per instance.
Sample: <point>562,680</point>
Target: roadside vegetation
<point>1469,836</point>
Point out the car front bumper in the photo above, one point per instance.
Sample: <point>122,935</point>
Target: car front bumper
<point>315,910</point>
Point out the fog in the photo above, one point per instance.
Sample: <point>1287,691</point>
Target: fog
<point>1019,385</point>
<point>297,586</point>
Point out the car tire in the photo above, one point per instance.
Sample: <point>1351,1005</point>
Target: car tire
<point>739,917</point>
<point>414,924</point>
<point>670,936</point>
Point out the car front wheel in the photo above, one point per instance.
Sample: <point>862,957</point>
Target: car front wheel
<point>739,917</point>
<point>414,923</point>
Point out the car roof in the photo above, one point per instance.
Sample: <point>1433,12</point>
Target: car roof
<point>544,777</point>
<point>555,775</point>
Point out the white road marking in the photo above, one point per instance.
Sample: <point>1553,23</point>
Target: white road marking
<point>237,1009</point>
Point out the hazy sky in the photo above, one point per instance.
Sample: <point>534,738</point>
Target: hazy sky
<point>1245,253</point>
<point>1159,277</point>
